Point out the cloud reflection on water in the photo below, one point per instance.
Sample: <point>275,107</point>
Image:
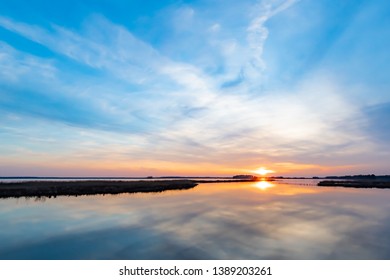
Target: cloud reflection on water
<point>212,221</point>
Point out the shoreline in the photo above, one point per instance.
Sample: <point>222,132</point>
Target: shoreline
<point>90,187</point>
<point>368,184</point>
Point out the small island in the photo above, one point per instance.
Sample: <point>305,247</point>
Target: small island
<point>357,181</point>
<point>90,187</point>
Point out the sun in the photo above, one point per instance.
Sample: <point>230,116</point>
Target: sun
<point>263,171</point>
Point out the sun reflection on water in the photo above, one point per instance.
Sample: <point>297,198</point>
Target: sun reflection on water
<point>263,185</point>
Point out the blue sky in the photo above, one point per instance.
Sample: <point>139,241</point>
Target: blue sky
<point>122,88</point>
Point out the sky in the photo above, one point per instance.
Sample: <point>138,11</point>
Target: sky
<point>194,88</point>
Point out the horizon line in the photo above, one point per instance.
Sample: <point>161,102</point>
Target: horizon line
<point>177,176</point>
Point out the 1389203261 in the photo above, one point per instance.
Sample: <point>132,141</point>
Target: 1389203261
<point>242,270</point>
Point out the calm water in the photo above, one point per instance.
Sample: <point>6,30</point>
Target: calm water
<point>212,221</point>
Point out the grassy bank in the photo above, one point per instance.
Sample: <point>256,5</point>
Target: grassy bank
<point>75,188</point>
<point>357,184</point>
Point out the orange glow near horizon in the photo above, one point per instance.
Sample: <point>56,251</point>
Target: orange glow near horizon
<point>115,165</point>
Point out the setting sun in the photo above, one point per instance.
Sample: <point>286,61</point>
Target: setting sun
<point>263,171</point>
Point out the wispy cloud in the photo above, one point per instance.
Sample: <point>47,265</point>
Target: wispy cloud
<point>258,32</point>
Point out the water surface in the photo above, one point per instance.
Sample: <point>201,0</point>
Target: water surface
<point>257,220</point>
